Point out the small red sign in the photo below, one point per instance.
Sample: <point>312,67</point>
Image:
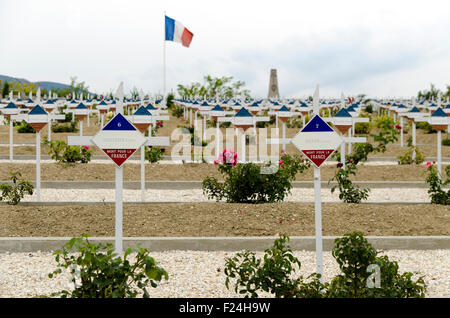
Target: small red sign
<point>318,156</point>
<point>119,156</point>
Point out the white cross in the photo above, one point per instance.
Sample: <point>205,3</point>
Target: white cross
<point>43,119</point>
<point>87,140</point>
<point>242,121</point>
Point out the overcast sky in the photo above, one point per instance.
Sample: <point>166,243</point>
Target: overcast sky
<point>380,48</point>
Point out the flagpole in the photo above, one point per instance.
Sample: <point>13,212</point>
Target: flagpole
<point>164,57</point>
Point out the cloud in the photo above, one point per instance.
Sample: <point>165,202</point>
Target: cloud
<point>337,60</point>
<point>386,47</point>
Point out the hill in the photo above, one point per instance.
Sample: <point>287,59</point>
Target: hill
<point>42,84</point>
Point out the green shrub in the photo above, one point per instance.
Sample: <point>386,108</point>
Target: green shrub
<point>211,123</point>
<point>67,118</point>
<point>294,123</point>
<point>272,275</point>
<point>389,131</point>
<point>362,128</point>
<point>154,154</point>
<point>6,121</point>
<point>12,194</point>
<point>407,157</point>
<point>384,122</point>
<point>177,111</point>
<point>446,142</point>
<point>69,127</point>
<point>354,254</point>
<point>436,183</point>
<point>348,192</point>
<point>169,101</point>
<point>263,124</point>
<point>325,112</point>
<point>426,127</point>
<point>63,153</point>
<point>369,108</point>
<point>98,272</point>
<point>357,260</point>
<point>252,183</point>
<point>225,124</point>
<point>25,128</point>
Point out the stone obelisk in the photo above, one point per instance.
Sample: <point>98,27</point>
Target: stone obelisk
<point>273,85</point>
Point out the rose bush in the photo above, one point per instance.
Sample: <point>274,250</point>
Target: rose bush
<point>252,183</point>
<point>436,183</point>
<point>277,273</point>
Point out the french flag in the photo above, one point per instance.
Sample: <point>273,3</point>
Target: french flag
<point>175,31</point>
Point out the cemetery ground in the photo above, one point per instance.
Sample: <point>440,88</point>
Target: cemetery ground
<point>224,219</point>
<point>197,218</point>
<point>24,274</point>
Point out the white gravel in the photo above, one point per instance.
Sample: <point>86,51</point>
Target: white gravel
<point>196,195</point>
<point>138,161</point>
<point>200,274</point>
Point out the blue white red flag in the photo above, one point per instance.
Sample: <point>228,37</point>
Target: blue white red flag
<point>176,32</point>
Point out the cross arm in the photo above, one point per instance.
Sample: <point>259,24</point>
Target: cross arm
<point>354,139</point>
<point>225,119</point>
<point>80,141</point>
<point>158,117</point>
<point>157,141</point>
<point>19,117</point>
<point>360,120</point>
<point>278,141</point>
<point>52,116</point>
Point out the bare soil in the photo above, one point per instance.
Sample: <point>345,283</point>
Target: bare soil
<point>224,219</point>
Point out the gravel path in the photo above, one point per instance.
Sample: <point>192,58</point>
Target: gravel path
<point>137,161</point>
<point>411,195</point>
<point>200,274</point>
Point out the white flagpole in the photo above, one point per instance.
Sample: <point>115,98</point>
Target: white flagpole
<point>164,56</point>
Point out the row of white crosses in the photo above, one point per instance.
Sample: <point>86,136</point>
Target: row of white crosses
<point>81,110</point>
<point>284,114</point>
<point>9,111</point>
<point>439,121</point>
<point>216,113</point>
<point>280,111</point>
<point>244,120</point>
<point>36,118</point>
<point>143,120</point>
<point>437,117</point>
<point>13,113</point>
<point>343,121</point>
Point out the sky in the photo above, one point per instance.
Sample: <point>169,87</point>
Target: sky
<point>378,48</point>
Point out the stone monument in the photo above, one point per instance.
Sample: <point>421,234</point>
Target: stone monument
<point>273,85</point>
